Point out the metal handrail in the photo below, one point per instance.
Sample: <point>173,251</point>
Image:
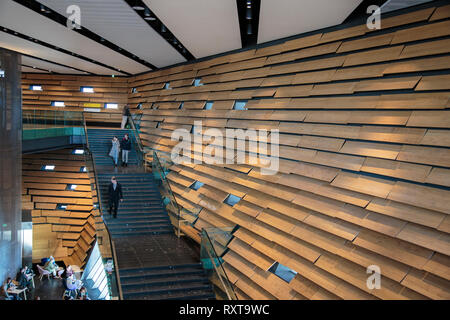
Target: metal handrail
<point>97,186</point>
<point>116,266</point>
<point>230,297</point>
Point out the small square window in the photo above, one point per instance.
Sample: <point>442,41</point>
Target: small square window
<point>83,169</point>
<point>167,85</point>
<point>197,82</point>
<point>61,206</point>
<point>48,167</point>
<point>87,89</point>
<point>196,185</point>
<point>134,90</point>
<point>36,87</point>
<point>231,200</point>
<point>58,104</point>
<point>240,105</point>
<point>139,106</point>
<point>282,272</point>
<point>71,187</point>
<point>208,105</point>
<point>2,73</point>
<point>111,106</point>
<point>78,151</point>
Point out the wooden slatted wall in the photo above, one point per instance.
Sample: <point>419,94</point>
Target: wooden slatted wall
<point>364,171</point>
<point>67,234</point>
<point>67,88</point>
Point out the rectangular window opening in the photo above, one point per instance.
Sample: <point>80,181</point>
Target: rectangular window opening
<point>231,200</point>
<point>196,185</point>
<point>58,104</point>
<point>208,105</point>
<point>48,167</point>
<point>78,151</point>
<point>282,272</point>
<point>167,85</point>
<point>240,105</point>
<point>36,87</point>
<point>197,82</point>
<point>61,206</point>
<point>71,187</point>
<point>111,106</point>
<point>87,89</point>
<point>83,169</point>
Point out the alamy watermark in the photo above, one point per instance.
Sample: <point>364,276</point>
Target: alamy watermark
<point>74,18</point>
<point>374,21</point>
<point>374,280</point>
<point>263,148</point>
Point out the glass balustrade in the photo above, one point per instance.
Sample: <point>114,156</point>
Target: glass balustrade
<point>39,124</point>
<point>213,246</point>
<point>104,240</point>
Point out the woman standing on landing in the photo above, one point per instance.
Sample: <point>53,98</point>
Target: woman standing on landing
<point>115,149</point>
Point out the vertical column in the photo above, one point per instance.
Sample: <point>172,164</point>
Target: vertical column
<point>10,164</point>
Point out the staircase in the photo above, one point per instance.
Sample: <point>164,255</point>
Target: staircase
<point>141,212</point>
<point>100,146</point>
<point>153,263</point>
<point>166,282</point>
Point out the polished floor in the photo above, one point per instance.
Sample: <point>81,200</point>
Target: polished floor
<point>45,289</point>
<point>154,250</point>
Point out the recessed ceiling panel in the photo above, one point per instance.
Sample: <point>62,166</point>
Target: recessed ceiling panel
<point>33,49</point>
<point>117,22</point>
<point>48,66</point>
<point>21,19</point>
<point>283,18</point>
<point>204,27</point>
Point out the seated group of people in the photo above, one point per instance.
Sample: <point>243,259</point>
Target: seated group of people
<point>24,280</point>
<point>51,266</point>
<point>74,289</point>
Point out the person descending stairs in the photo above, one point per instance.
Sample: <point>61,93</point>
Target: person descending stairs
<point>153,263</point>
<point>100,145</point>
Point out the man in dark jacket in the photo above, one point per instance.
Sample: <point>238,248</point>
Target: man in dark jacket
<point>125,145</point>
<point>115,195</point>
<point>125,114</point>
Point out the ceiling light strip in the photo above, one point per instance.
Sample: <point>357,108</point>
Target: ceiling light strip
<point>156,24</point>
<point>248,13</point>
